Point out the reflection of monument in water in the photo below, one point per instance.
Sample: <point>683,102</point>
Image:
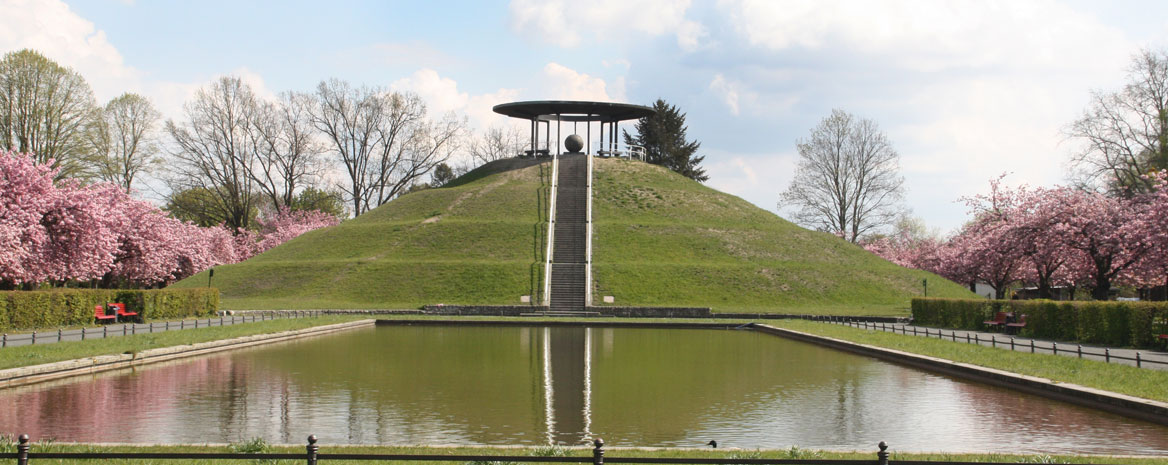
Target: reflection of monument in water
<point>566,353</point>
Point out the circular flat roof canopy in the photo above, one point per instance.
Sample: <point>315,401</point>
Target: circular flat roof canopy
<point>571,110</point>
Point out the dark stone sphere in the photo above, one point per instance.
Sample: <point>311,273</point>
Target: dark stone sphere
<point>574,143</point>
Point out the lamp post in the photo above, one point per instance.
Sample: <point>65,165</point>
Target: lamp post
<point>925,282</point>
<point>210,274</point>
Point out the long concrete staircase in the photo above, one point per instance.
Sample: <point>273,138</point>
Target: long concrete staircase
<point>569,256</point>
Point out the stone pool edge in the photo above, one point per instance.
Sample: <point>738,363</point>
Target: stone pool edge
<point>1121,404</point>
<point>13,377</point>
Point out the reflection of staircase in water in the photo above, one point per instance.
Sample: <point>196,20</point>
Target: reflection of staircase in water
<point>567,382</point>
<point>569,255</point>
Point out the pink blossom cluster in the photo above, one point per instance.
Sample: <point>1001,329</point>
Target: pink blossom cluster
<point>1048,237</point>
<point>70,232</point>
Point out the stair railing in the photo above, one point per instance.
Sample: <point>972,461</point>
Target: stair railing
<point>588,239</point>
<point>551,234</point>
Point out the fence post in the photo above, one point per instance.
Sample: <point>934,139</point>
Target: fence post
<point>104,331</point>
<point>312,449</point>
<point>1011,343</point>
<point>1138,363</point>
<point>1079,347</point>
<point>598,452</point>
<point>83,333</point>
<point>34,337</point>
<point>4,340</point>
<point>882,456</point>
<point>22,450</point>
<point>1106,355</point>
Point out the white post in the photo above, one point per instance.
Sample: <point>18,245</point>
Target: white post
<point>588,239</point>
<point>551,234</point>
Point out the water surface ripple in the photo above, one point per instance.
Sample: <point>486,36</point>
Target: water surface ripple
<point>535,385</point>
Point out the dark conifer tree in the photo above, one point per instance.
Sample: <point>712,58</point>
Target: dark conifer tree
<point>663,137</point>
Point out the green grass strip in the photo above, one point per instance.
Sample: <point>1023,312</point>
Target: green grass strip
<point>1124,379</point>
<point>12,357</point>
<point>794,452</point>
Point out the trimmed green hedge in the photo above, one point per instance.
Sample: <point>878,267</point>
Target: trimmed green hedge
<point>1119,324</point>
<point>64,307</point>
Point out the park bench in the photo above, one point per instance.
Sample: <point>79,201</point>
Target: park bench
<point>125,315</point>
<point>999,321</point>
<point>100,315</point>
<point>1014,326</point>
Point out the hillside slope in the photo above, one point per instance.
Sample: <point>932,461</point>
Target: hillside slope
<point>662,239</point>
<point>480,240</point>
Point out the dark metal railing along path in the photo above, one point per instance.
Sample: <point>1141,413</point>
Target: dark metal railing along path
<point>129,329</point>
<point>1141,359</point>
<point>312,456</point>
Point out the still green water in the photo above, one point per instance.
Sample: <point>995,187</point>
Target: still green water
<point>539,385</point>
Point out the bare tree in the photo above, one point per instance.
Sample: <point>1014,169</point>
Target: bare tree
<point>847,181</point>
<point>287,150</point>
<point>44,110</point>
<point>121,138</point>
<point>1125,133</point>
<point>496,143</point>
<point>215,149</point>
<point>350,119</point>
<point>383,139</point>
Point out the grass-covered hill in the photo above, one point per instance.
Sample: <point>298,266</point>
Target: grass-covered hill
<point>660,239</point>
<point>480,240</point>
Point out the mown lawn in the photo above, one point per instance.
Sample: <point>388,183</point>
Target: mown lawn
<point>12,357</point>
<point>1139,382</point>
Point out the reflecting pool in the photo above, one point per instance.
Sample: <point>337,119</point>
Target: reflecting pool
<point>561,385</point>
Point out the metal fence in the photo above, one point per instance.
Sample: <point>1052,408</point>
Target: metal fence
<point>312,456</point>
<point>972,337</point>
<point>128,329</point>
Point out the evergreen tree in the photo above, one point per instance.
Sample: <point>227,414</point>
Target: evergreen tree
<point>663,137</point>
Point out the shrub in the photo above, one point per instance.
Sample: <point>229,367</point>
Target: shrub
<point>1099,322</point>
<point>64,307</point>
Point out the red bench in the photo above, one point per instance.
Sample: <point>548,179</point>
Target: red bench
<point>1017,325</point>
<point>99,315</point>
<point>123,314</point>
<point>998,321</point>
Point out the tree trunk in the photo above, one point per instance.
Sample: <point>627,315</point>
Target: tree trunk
<point>1102,288</point>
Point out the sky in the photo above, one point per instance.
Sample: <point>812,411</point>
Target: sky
<point>965,90</point>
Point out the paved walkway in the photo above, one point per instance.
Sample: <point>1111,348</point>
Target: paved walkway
<point>1150,359</point>
<point>127,329</point>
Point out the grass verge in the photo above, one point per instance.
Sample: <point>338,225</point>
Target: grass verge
<point>12,357</point>
<point>1148,384</point>
<point>259,446</point>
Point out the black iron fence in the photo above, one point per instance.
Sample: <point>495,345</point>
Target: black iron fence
<point>128,329</point>
<point>312,456</point>
<point>973,337</point>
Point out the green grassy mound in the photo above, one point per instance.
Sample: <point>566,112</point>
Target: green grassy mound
<point>660,239</point>
<point>480,240</point>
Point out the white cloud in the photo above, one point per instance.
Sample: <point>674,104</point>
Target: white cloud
<point>727,91</point>
<point>559,22</point>
<point>563,83</point>
<point>442,95</point>
<point>51,28</point>
<point>929,35</point>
